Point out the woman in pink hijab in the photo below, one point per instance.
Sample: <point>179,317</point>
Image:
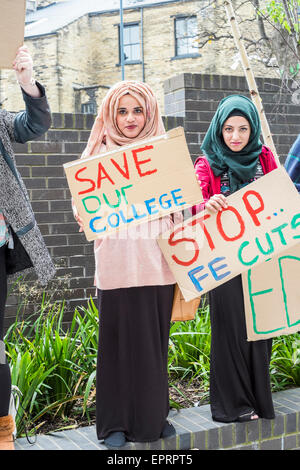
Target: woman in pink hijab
<point>135,292</point>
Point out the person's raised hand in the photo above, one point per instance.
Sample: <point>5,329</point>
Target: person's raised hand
<point>23,66</point>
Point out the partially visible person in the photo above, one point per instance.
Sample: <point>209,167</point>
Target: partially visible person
<point>22,248</point>
<point>292,163</point>
<point>233,157</point>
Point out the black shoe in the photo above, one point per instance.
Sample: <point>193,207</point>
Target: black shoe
<point>168,430</point>
<point>115,439</point>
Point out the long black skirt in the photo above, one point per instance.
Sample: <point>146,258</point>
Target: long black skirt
<point>239,369</point>
<point>132,393</point>
<point>5,378</point>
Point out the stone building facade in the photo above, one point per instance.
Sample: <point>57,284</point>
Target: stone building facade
<point>78,59</point>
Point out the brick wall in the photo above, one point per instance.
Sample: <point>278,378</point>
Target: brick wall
<point>190,101</point>
<point>196,96</point>
<point>40,163</point>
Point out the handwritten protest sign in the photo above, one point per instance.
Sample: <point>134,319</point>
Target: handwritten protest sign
<point>272,296</point>
<point>12,25</point>
<point>133,184</point>
<point>262,219</point>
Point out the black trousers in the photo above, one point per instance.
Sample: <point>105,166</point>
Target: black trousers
<point>5,378</point>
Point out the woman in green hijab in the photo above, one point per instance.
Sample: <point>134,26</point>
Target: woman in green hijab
<point>234,157</point>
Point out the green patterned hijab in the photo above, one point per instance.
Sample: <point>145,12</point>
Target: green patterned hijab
<point>241,166</point>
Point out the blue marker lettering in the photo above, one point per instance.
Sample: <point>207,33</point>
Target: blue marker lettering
<point>92,221</point>
<point>150,208</point>
<point>110,222</point>
<point>126,221</point>
<point>135,214</point>
<point>196,281</point>
<point>168,202</point>
<point>176,198</point>
<point>214,270</point>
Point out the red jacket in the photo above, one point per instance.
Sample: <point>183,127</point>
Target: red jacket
<point>211,184</point>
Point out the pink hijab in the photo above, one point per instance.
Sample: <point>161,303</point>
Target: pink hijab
<point>105,134</point>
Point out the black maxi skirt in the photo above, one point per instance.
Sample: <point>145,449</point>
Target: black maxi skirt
<point>132,393</point>
<point>239,369</point>
<point>5,378</point>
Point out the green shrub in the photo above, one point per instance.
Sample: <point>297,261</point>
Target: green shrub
<point>55,368</point>
<point>189,347</point>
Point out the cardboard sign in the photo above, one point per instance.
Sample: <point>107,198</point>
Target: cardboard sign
<point>262,219</point>
<point>12,26</point>
<point>133,184</point>
<point>272,296</point>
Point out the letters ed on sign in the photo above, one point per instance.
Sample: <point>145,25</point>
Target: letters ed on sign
<point>262,219</point>
<point>133,184</point>
<point>272,296</point>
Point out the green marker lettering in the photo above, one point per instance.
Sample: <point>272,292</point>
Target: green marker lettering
<point>245,263</point>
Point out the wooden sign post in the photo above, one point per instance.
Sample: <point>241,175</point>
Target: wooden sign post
<point>267,136</point>
<point>271,311</point>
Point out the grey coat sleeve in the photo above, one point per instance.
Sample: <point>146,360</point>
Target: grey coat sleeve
<point>35,120</point>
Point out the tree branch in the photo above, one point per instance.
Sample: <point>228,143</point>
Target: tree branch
<point>279,30</point>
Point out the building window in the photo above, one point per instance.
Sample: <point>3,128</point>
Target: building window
<point>186,31</point>
<point>89,108</point>
<point>131,43</point>
<point>30,6</point>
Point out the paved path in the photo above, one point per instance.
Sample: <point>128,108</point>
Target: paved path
<point>196,430</point>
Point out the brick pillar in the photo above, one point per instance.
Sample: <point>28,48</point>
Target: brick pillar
<point>195,98</point>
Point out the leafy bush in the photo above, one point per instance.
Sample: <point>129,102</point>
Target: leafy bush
<point>285,362</point>
<point>189,347</point>
<point>55,368</point>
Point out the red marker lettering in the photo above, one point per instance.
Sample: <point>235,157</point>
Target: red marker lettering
<point>252,212</point>
<point>123,173</point>
<point>220,226</point>
<point>82,180</point>
<point>101,169</point>
<point>200,220</point>
<point>175,242</point>
<point>138,163</point>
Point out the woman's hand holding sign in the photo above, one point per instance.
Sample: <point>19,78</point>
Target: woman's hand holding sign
<point>80,222</point>
<point>77,216</point>
<point>216,203</point>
